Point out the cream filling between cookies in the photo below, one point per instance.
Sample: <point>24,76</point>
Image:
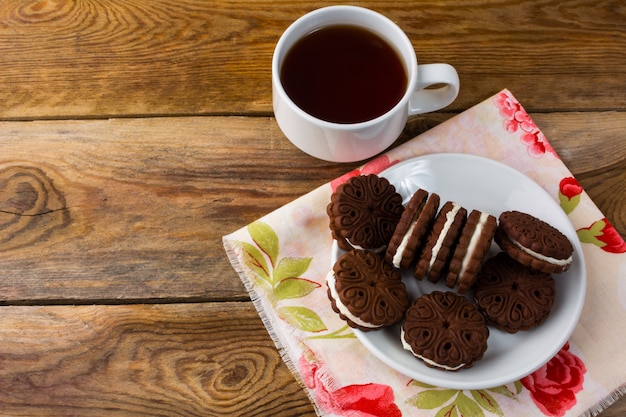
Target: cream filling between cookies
<point>444,231</point>
<point>357,247</point>
<point>554,261</point>
<point>330,281</point>
<point>472,244</point>
<point>397,257</point>
<point>406,346</point>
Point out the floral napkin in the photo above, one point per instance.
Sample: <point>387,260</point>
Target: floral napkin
<point>283,259</point>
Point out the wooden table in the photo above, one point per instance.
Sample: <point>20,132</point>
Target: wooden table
<point>134,135</point>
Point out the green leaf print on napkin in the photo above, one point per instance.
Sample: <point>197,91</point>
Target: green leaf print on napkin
<point>252,258</point>
<point>455,403</point>
<point>265,238</point>
<point>302,318</point>
<point>281,278</point>
<point>290,268</point>
<point>294,288</point>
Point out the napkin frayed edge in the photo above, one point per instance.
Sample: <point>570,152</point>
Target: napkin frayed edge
<point>606,402</point>
<point>258,302</point>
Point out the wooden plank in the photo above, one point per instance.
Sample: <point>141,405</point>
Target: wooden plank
<point>114,58</point>
<point>160,360</point>
<point>67,230</point>
<point>598,164</point>
<point>68,235</point>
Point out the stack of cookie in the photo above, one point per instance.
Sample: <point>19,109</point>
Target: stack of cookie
<point>366,213</point>
<point>513,291</point>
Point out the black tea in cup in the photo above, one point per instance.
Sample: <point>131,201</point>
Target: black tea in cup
<point>343,74</point>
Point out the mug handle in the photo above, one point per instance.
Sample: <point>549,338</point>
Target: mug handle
<point>425,100</point>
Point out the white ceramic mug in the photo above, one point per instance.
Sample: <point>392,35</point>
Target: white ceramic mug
<point>340,142</point>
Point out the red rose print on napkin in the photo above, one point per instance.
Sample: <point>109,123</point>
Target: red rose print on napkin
<point>516,118</point>
<point>553,387</point>
<point>363,400</point>
<point>569,194</point>
<point>375,166</point>
<point>602,234</point>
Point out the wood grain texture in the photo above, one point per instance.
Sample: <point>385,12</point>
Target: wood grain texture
<point>134,209</point>
<point>108,202</point>
<point>160,360</point>
<point>142,206</point>
<point>118,58</point>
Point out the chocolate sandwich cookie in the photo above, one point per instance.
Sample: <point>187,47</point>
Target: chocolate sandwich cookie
<point>533,242</point>
<point>445,330</point>
<point>364,212</point>
<point>512,296</point>
<point>475,241</point>
<point>366,292</point>
<point>412,229</point>
<point>443,237</point>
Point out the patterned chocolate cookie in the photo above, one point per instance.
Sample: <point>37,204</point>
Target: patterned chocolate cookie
<point>445,330</point>
<point>533,242</point>
<point>366,292</point>
<point>475,241</point>
<point>364,212</point>
<point>412,229</point>
<point>512,296</point>
<point>443,237</point>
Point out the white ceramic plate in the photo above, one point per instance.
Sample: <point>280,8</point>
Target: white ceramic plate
<point>487,185</point>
